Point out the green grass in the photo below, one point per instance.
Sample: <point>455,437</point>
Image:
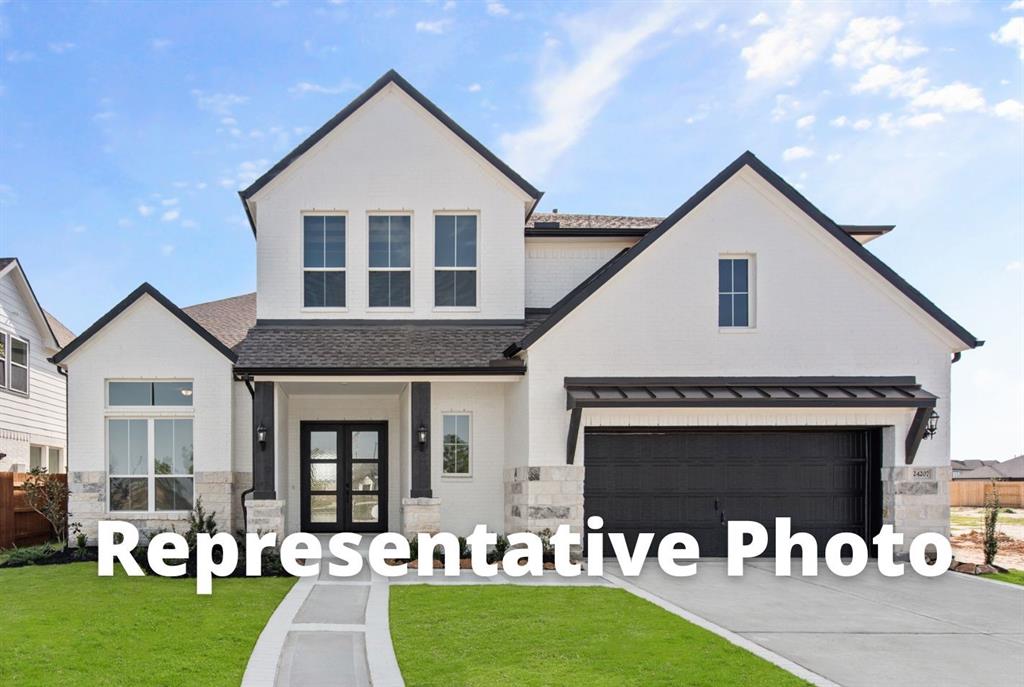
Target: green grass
<point>519,635</point>
<point>1011,576</point>
<point>64,625</point>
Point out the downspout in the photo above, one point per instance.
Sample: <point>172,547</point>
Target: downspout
<point>67,453</point>
<point>245,511</point>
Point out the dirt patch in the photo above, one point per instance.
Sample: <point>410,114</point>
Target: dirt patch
<point>966,536</point>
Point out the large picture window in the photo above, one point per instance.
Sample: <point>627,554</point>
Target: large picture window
<point>323,261</point>
<point>455,261</point>
<point>390,261</point>
<point>150,464</point>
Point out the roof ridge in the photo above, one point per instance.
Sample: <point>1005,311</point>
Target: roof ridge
<point>220,300</point>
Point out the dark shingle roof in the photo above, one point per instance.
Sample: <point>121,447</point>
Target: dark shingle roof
<point>391,346</point>
<point>63,335</point>
<point>228,319</point>
<point>577,221</point>
<point>4,262</point>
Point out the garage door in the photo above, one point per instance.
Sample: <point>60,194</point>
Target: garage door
<point>695,481</point>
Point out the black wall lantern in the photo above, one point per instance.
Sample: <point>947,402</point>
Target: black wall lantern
<point>933,425</point>
<point>421,435</point>
<point>261,435</point>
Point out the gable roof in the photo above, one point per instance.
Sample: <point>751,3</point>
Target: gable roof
<point>228,319</point>
<point>390,77</point>
<point>747,159</point>
<point>63,334</point>
<point>145,289</point>
<point>41,315</point>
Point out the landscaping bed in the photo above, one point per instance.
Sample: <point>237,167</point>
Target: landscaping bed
<point>527,635</point>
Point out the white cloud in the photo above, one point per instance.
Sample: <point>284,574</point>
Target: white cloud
<point>782,52</point>
<point>805,121</point>
<point>246,173</point>
<point>170,215</point>
<point>862,124</point>
<point>871,40</point>
<point>897,82</point>
<point>759,19</point>
<point>160,44</point>
<point>104,115</point>
<point>304,87</point>
<point>167,248</point>
<point>125,223</point>
<point>956,97</point>
<point>496,9</point>
<point>473,88</point>
<point>145,210</point>
<point>1009,109</point>
<point>1015,5</point>
<point>20,56</point>
<point>61,48</point>
<point>839,121</point>
<point>167,202</point>
<point>833,157</point>
<point>1011,33</point>
<point>448,6</point>
<point>925,119</point>
<point>437,26</point>
<point>570,97</point>
<point>785,105</point>
<point>218,103</point>
<point>78,228</point>
<point>189,224</point>
<point>1014,265</point>
<point>796,153</point>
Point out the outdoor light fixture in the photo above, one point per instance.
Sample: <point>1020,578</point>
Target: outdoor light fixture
<point>421,434</point>
<point>186,392</point>
<point>933,425</point>
<point>261,435</point>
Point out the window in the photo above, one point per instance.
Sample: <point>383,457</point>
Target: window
<point>150,464</point>
<point>149,393</point>
<point>35,457</point>
<point>3,360</point>
<point>734,292</point>
<point>455,261</point>
<point>390,265</point>
<point>18,375</point>
<point>45,457</point>
<point>456,447</point>
<point>323,261</point>
<point>53,461</point>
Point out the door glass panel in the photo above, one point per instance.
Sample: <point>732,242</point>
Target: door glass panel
<point>323,508</point>
<point>364,477</point>
<point>364,508</point>
<point>323,477</point>
<point>364,445</point>
<point>323,446</point>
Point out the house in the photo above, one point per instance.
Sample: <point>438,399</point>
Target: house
<point>426,352</point>
<point>1005,470</point>
<point>33,430</point>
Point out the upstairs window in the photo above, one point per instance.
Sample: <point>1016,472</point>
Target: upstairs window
<point>3,360</point>
<point>149,393</point>
<point>17,376</point>
<point>323,261</point>
<point>734,292</point>
<point>455,261</point>
<point>390,261</point>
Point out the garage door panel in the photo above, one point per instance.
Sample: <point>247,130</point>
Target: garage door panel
<point>690,480</point>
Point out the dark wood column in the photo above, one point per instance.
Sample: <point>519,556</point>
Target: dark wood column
<point>263,456</point>
<point>420,416</point>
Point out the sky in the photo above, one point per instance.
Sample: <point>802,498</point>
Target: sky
<point>127,128</point>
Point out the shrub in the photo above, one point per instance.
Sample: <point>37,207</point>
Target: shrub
<point>28,555</point>
<point>48,496</point>
<point>990,544</point>
<point>80,539</point>
<point>414,548</point>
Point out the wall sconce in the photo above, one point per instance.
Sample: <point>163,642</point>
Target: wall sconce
<point>933,425</point>
<point>261,435</point>
<point>421,435</point>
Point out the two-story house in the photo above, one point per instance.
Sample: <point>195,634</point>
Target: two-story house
<point>426,352</point>
<point>33,429</point>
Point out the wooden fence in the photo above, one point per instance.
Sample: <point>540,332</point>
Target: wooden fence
<point>972,492</point>
<point>19,524</point>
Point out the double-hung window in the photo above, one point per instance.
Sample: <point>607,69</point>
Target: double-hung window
<point>390,261</point>
<point>150,446</point>
<point>323,261</point>
<point>455,261</point>
<point>734,301</point>
<point>13,363</point>
<point>456,444</point>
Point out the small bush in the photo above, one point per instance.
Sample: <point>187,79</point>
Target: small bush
<point>990,544</point>
<point>28,555</point>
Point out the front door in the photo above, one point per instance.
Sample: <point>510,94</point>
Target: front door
<point>344,476</point>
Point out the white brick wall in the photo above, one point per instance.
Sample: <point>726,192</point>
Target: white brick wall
<point>554,267</point>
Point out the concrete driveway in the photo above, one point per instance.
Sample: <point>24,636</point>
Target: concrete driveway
<point>866,630</point>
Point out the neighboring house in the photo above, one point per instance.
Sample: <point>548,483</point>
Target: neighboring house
<point>1003,470</point>
<point>33,392</point>
<point>424,351</point>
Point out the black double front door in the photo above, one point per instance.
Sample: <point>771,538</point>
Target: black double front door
<point>344,476</point>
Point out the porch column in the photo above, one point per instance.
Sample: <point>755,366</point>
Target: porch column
<point>263,454</point>
<point>420,415</point>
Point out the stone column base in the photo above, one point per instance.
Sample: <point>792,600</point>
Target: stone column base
<point>915,499</point>
<point>265,515</point>
<point>543,497</point>
<point>421,515</point>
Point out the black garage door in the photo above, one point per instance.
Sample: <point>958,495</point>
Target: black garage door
<point>697,480</point>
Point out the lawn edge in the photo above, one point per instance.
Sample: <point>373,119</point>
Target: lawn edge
<point>728,635</point>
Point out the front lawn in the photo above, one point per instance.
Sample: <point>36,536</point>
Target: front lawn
<point>64,625</point>
<point>1011,576</point>
<point>521,635</point>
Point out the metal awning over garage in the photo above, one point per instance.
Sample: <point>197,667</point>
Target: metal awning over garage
<point>750,392</point>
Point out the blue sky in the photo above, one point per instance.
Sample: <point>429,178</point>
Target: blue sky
<point>125,130</point>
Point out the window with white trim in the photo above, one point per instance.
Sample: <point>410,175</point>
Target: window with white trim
<point>3,360</point>
<point>734,300</point>
<point>390,261</point>
<point>150,454</point>
<point>323,261</point>
<point>455,261</point>
<point>456,444</point>
<point>48,457</point>
<point>16,358</point>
